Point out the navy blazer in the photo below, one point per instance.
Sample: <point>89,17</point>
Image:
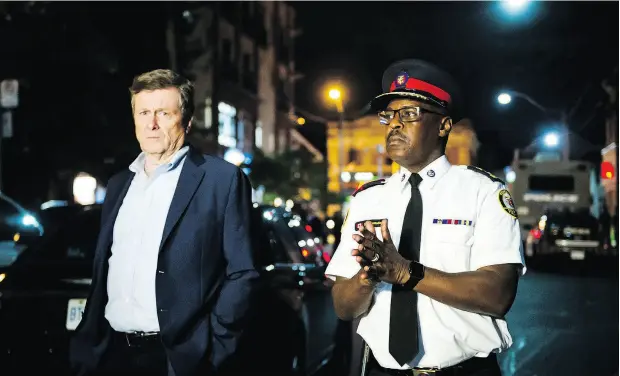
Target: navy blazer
<point>205,272</point>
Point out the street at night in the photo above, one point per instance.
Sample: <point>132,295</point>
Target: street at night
<point>303,188</point>
<point>565,321</point>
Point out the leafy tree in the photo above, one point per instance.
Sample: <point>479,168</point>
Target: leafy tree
<point>287,173</point>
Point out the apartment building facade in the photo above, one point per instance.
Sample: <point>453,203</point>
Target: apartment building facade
<point>241,57</point>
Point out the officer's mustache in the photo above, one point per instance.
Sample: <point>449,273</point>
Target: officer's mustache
<point>397,135</point>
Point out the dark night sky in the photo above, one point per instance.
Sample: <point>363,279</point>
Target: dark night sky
<point>75,61</point>
<point>560,51</point>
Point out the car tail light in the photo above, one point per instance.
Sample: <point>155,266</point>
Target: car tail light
<point>536,233</point>
<point>326,257</point>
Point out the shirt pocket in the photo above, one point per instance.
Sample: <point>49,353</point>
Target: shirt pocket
<point>447,247</point>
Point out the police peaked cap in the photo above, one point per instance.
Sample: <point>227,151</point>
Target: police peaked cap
<point>420,81</point>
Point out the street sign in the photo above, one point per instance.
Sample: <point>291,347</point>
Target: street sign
<point>7,124</point>
<point>9,97</point>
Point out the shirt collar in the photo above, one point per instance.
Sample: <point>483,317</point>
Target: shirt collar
<point>138,164</point>
<point>430,174</point>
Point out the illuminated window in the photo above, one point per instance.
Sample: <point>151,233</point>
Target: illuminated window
<point>226,127</point>
<point>208,121</point>
<point>258,134</point>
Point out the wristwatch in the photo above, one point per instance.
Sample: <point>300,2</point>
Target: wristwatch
<point>416,274</point>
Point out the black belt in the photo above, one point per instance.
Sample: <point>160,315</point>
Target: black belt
<point>137,339</point>
<point>467,367</point>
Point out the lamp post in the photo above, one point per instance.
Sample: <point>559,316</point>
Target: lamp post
<point>335,94</point>
<point>505,98</point>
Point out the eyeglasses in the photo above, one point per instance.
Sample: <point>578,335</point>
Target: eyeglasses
<point>407,114</point>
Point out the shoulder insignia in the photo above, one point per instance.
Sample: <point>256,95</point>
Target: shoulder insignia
<point>370,184</point>
<point>486,173</point>
<point>505,200</point>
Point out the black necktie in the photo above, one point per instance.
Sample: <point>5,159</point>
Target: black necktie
<point>404,306</point>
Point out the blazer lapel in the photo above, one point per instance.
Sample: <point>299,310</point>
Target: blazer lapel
<point>189,180</point>
<point>117,198</point>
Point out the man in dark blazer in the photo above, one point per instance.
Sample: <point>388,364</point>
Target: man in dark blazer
<point>173,270</point>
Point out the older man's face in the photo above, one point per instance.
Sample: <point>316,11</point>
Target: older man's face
<point>159,120</point>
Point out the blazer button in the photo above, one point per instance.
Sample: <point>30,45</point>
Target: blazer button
<point>160,271</point>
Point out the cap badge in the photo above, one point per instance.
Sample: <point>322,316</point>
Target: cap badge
<point>401,80</point>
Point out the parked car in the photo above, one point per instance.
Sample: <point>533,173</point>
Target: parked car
<point>564,233</point>
<point>43,293</point>
<point>18,228</point>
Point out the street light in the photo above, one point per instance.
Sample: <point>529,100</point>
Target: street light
<point>515,6</point>
<point>551,139</point>
<point>335,94</point>
<point>505,98</point>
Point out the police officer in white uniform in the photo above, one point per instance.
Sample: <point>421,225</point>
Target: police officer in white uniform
<point>430,258</point>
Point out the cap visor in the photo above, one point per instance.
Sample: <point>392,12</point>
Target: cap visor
<point>381,102</point>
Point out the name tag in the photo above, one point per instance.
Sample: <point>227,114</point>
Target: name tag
<point>360,225</point>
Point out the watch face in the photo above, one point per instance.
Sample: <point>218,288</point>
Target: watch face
<point>416,270</point>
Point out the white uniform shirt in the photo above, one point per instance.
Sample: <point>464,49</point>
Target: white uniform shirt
<point>467,224</point>
<point>136,239</point>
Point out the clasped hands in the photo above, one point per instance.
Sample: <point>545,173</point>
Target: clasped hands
<point>379,260</point>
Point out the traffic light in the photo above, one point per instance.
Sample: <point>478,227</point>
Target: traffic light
<point>607,170</point>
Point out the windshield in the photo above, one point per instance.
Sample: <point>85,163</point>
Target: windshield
<point>551,183</point>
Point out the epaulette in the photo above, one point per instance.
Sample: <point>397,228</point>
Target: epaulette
<point>370,184</point>
<point>486,173</point>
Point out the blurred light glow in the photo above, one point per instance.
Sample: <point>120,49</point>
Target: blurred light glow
<point>504,99</point>
<point>364,176</point>
<point>345,177</point>
<point>53,204</point>
<point>334,94</point>
<point>84,187</point>
<point>277,202</point>
<point>301,121</point>
<point>511,176</point>
<point>29,220</point>
<point>330,224</point>
<point>515,6</point>
<point>234,156</point>
<point>268,215</point>
<point>551,139</point>
<point>289,203</point>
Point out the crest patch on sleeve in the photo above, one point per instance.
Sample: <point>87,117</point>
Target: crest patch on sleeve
<point>505,200</point>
